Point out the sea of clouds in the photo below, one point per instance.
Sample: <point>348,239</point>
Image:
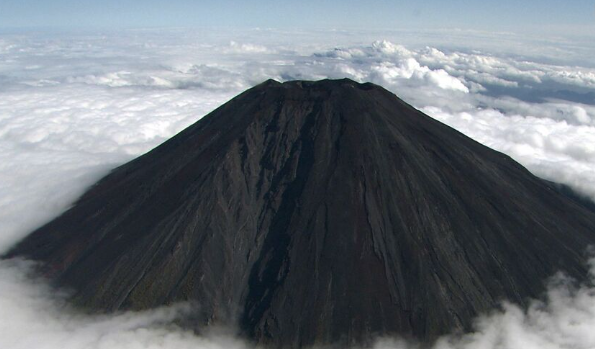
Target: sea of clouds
<point>75,105</point>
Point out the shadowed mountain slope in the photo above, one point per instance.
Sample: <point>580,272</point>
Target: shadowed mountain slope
<point>317,212</point>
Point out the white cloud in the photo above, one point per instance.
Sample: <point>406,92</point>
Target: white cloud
<point>54,141</point>
<point>235,47</point>
<point>74,106</point>
<point>564,320</point>
<point>386,47</point>
<point>389,73</point>
<point>122,78</point>
<point>552,149</point>
<point>32,316</point>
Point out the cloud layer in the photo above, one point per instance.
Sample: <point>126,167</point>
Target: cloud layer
<point>34,317</point>
<point>74,106</point>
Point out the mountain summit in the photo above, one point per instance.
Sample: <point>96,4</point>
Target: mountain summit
<point>314,213</point>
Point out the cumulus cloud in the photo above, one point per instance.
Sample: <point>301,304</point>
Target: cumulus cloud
<point>55,141</point>
<point>387,72</point>
<point>552,149</point>
<point>74,106</point>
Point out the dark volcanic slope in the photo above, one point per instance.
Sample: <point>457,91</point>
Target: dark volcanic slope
<point>317,212</point>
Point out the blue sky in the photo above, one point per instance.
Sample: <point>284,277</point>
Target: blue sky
<point>575,15</point>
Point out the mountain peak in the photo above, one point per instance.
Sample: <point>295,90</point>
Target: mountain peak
<point>328,84</point>
<point>316,212</point>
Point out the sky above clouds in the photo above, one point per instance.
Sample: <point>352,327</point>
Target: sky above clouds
<point>74,104</point>
<point>551,16</point>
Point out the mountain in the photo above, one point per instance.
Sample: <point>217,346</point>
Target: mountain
<point>315,213</point>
